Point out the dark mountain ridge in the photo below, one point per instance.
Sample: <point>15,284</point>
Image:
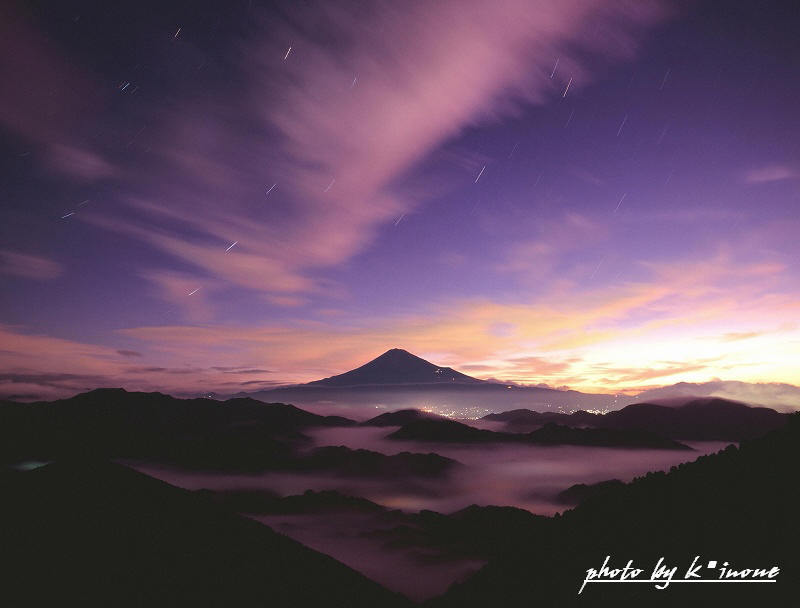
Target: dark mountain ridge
<point>737,506</point>
<point>779,396</point>
<point>234,435</point>
<point>700,419</point>
<point>451,431</point>
<point>90,533</point>
<point>400,418</point>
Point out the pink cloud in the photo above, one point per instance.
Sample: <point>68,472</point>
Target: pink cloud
<point>287,301</point>
<point>666,328</point>
<point>45,97</point>
<point>554,337</point>
<point>772,173</point>
<point>36,366</point>
<point>339,121</point>
<point>187,292</point>
<point>537,258</point>
<point>79,162</point>
<point>28,266</point>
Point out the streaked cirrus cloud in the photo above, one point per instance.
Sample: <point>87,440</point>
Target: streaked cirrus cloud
<point>770,173</point>
<point>28,266</point>
<point>300,165</point>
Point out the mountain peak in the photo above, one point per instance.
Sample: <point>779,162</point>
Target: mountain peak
<point>396,352</point>
<point>397,366</point>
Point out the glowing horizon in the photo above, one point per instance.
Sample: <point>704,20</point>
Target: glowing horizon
<point>575,194</point>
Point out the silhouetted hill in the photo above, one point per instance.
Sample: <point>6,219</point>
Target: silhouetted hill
<point>397,366</point>
<point>737,506</point>
<point>450,431</point>
<point>477,531</point>
<point>781,396</point>
<point>344,461</point>
<point>447,431</point>
<point>579,492</point>
<point>263,502</point>
<point>399,418</point>
<point>481,531</point>
<point>95,534</point>
<point>116,421</point>
<point>256,455</point>
<point>702,419</point>
<point>698,419</point>
<point>234,435</point>
<point>557,434</point>
<point>524,421</point>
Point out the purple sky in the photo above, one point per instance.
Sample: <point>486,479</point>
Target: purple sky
<point>596,194</point>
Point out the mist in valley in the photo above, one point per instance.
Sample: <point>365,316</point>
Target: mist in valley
<point>524,476</point>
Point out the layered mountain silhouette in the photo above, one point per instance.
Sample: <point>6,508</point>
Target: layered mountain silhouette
<point>235,435</point>
<point>111,536</point>
<point>698,419</point>
<point>524,420</point>
<point>400,417</point>
<point>451,431</point>
<point>83,528</point>
<point>398,379</point>
<point>95,534</point>
<point>777,395</point>
<point>736,508</point>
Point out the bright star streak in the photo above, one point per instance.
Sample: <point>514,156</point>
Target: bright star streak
<point>567,89</point>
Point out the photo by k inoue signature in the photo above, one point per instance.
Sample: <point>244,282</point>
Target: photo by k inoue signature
<point>663,574</point>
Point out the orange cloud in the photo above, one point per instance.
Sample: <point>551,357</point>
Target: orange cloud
<point>665,328</point>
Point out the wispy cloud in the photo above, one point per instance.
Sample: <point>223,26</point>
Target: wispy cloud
<point>651,329</point>
<point>45,97</point>
<point>37,366</point>
<point>28,266</point>
<point>771,173</point>
<point>654,330</point>
<point>189,293</point>
<point>539,366</point>
<point>618,376</point>
<point>735,336</point>
<point>425,72</point>
<point>541,257</point>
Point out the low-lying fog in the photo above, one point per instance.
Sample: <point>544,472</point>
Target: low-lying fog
<point>528,477</point>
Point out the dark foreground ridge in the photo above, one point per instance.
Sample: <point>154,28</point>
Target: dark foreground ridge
<point>98,534</point>
<point>580,492</point>
<point>112,536</point>
<point>738,506</point>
